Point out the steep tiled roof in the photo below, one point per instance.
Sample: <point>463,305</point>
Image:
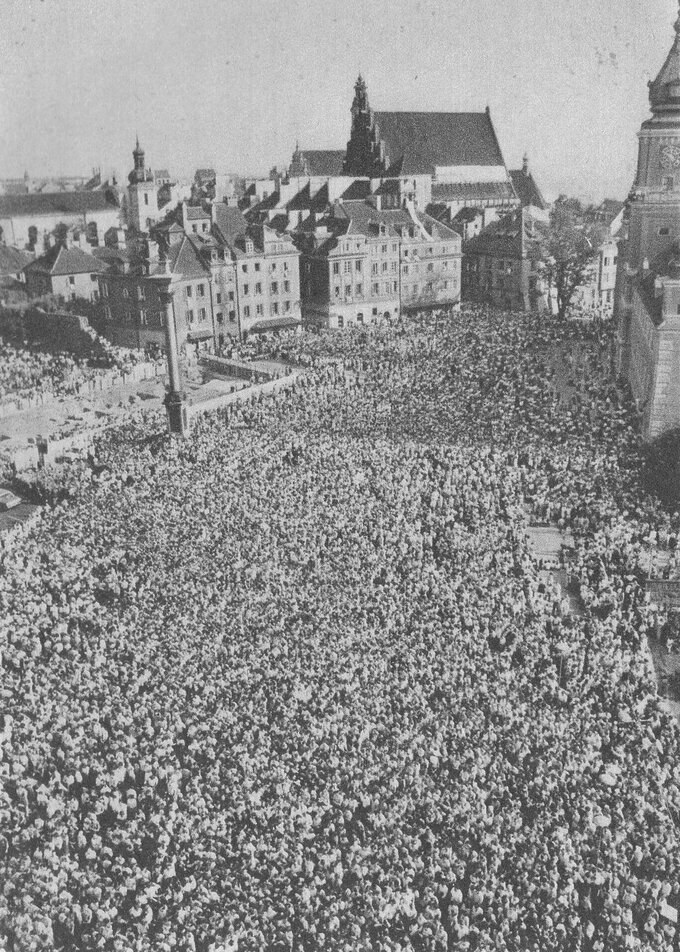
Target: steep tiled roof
<point>472,191</point>
<point>185,259</point>
<point>12,261</point>
<point>359,190</point>
<point>195,212</point>
<point>229,222</point>
<point>417,142</point>
<point>51,203</point>
<point>60,260</point>
<point>515,235</point>
<point>527,190</point>
<point>323,161</point>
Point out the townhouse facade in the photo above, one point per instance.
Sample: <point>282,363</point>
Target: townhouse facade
<point>228,280</point>
<point>362,263</point>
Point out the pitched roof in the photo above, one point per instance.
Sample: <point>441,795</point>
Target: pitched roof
<point>472,191</point>
<point>195,212</point>
<point>229,222</point>
<point>60,260</point>
<point>417,142</point>
<point>323,161</point>
<point>527,190</point>
<point>516,235</point>
<point>51,203</point>
<point>12,261</point>
<point>185,259</point>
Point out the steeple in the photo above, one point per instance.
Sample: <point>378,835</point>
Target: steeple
<point>664,92</point>
<point>360,103</point>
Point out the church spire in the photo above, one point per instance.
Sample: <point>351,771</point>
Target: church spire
<point>664,92</point>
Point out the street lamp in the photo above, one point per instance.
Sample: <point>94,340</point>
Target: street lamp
<point>175,403</point>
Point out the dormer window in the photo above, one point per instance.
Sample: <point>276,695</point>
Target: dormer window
<point>250,247</point>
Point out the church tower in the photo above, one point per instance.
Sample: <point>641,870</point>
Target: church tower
<point>142,195</point>
<point>363,149</point>
<point>648,278</point>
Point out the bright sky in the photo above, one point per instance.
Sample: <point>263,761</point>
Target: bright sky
<point>233,83</point>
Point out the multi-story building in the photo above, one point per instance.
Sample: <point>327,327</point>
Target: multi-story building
<point>27,221</point>
<point>362,263</point>
<point>142,210</point>
<point>67,272</point>
<point>457,151</point>
<point>502,264</point>
<point>228,280</point>
<point>648,285</point>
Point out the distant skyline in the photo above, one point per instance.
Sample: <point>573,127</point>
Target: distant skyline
<point>233,83</point>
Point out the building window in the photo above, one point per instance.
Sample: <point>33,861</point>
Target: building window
<point>246,311</point>
<point>220,317</point>
<point>245,289</point>
<point>142,316</point>
<point>393,266</point>
<point>257,265</point>
<point>384,249</point>
<point>232,316</point>
<point>357,265</point>
<point>384,267</point>
<point>250,247</point>
<point>194,228</point>
<point>275,307</point>
<point>374,268</point>
<point>190,316</point>
<point>405,269</point>
<point>347,266</point>
<point>205,226</point>
<point>218,298</point>
<point>140,293</point>
<point>336,267</point>
<point>71,280</point>
<point>360,318</point>
<point>146,198</point>
<point>430,267</point>
<point>95,295</point>
<point>395,247</point>
<point>275,287</point>
<point>107,313</point>
<point>188,291</point>
<point>244,268</point>
<point>201,314</point>
<point>258,288</point>
<point>348,290</point>
<point>201,290</point>
<point>258,310</point>
<point>336,291</point>
<point>360,289</point>
<point>286,306</point>
<point>286,287</point>
<point>231,295</point>
<point>341,320</point>
<point>375,289</point>
<point>663,232</point>
<point>273,266</point>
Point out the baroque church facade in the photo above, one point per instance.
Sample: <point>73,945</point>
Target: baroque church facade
<point>648,280</point>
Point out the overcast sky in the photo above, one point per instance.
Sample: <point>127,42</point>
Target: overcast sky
<point>233,83</point>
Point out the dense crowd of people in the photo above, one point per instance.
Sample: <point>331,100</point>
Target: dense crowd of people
<point>27,369</point>
<point>296,682</point>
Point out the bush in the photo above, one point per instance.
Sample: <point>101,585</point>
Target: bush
<point>662,468</point>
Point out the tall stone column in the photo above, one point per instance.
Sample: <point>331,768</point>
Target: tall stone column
<point>174,399</point>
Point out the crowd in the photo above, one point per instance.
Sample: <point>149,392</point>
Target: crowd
<point>27,369</point>
<point>296,683</point>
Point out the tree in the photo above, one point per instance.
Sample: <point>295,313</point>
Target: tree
<point>570,246</point>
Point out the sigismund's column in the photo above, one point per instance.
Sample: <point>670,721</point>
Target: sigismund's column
<point>175,400</point>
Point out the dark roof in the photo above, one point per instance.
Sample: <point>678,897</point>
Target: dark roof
<point>305,201</point>
<point>51,203</point>
<point>516,235</point>
<point>324,161</point>
<point>229,222</point>
<point>12,261</point>
<point>417,142</point>
<point>527,190</point>
<point>359,190</point>
<point>60,260</point>
<point>472,191</point>
<point>196,212</point>
<point>468,213</point>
